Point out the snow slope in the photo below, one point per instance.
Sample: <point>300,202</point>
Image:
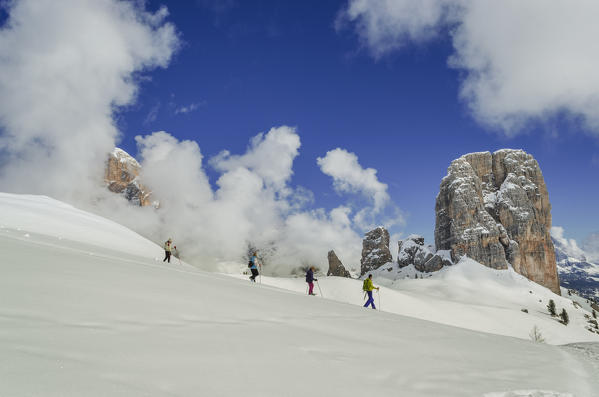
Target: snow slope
<point>46,216</point>
<point>467,295</point>
<point>82,318</point>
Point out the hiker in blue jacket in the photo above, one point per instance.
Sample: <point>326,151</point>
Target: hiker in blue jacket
<point>310,280</point>
<point>254,267</point>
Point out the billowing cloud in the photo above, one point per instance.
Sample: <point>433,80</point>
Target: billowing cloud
<point>65,67</point>
<point>387,25</point>
<point>524,61</point>
<point>270,156</point>
<point>568,245</point>
<point>251,203</point>
<point>349,176</point>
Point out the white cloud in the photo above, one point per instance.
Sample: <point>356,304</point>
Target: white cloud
<point>524,60</point>
<point>387,25</point>
<point>349,176</point>
<point>250,204</point>
<point>152,114</point>
<point>65,68</point>
<point>569,246</point>
<point>192,107</point>
<point>591,247</point>
<point>270,156</point>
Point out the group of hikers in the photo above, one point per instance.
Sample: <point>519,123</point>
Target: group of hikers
<point>254,264</point>
<point>367,286</point>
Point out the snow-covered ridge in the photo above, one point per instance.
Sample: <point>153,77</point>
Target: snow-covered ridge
<point>50,217</point>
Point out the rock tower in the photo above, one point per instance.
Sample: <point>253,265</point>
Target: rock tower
<point>495,209</point>
<point>375,250</point>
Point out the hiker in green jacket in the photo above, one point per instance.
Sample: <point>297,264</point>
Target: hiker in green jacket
<point>368,287</point>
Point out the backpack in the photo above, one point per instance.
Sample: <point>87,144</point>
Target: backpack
<point>364,285</point>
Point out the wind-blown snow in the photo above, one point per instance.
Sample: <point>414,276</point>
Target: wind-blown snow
<point>79,317</point>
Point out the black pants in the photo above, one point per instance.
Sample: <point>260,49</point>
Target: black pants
<point>167,256</point>
<point>254,274</point>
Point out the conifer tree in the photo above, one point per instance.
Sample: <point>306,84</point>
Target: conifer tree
<point>564,317</point>
<point>594,314</point>
<point>551,307</point>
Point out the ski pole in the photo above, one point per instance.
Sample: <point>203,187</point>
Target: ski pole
<point>261,273</point>
<point>319,290</point>
<point>378,293</point>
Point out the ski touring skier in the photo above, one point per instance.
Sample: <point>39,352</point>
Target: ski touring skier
<point>310,280</point>
<point>168,247</point>
<point>253,265</point>
<point>368,287</point>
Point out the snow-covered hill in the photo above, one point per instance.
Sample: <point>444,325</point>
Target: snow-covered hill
<point>49,217</point>
<point>80,314</point>
<point>467,295</point>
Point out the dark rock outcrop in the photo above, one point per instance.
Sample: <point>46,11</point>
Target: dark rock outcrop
<point>495,209</point>
<point>336,268</point>
<point>375,250</point>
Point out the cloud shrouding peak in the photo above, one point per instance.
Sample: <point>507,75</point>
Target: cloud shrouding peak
<point>524,60</point>
<point>65,67</point>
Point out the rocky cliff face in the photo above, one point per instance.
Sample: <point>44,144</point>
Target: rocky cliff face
<point>336,268</point>
<point>412,251</point>
<point>375,250</point>
<point>121,176</point>
<point>495,209</point>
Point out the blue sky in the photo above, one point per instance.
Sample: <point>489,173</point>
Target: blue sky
<point>401,87</point>
<point>245,67</point>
